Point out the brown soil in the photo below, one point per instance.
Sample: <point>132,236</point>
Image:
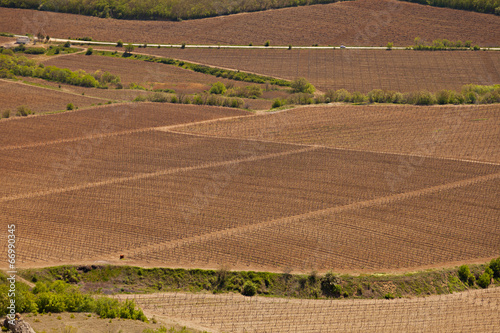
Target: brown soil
<point>356,70</point>
<point>463,132</point>
<point>475,310</point>
<point>362,22</point>
<point>38,99</point>
<point>161,76</point>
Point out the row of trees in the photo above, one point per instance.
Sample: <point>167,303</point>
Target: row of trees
<point>60,296</point>
<point>157,9</point>
<point>470,94</point>
<point>481,6</point>
<point>483,280</point>
<point>11,66</point>
<point>442,44</point>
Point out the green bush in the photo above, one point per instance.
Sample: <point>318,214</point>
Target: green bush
<point>70,106</point>
<point>218,88</point>
<point>495,267</point>
<point>67,44</point>
<point>358,97</point>
<point>119,43</point>
<point>484,280</point>
<point>249,289</point>
<point>465,275</point>
<point>330,285</point>
<point>301,85</point>
<point>390,45</point>
<point>23,111</point>
<point>89,51</point>
<point>276,103</point>
<point>267,43</point>
<point>6,114</point>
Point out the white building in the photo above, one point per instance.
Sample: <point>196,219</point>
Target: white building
<point>23,40</point>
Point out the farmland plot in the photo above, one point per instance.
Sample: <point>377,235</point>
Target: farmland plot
<point>13,95</point>
<point>462,132</point>
<point>359,23</point>
<point>161,76</point>
<point>150,215</point>
<point>470,311</point>
<point>102,121</point>
<point>356,70</point>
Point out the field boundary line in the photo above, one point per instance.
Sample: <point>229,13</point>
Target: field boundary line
<point>325,147</point>
<point>59,91</point>
<point>153,174</point>
<point>308,215</point>
<point>125,132</point>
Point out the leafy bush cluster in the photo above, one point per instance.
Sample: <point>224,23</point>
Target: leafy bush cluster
<point>253,91</point>
<point>59,296</point>
<point>481,6</point>
<point>443,44</point>
<point>483,280</point>
<point>11,66</point>
<point>156,9</point>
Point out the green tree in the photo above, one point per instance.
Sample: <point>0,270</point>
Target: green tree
<point>218,88</point>
<point>119,43</point>
<point>129,48</point>
<point>249,289</point>
<point>89,51</point>
<point>301,85</point>
<point>389,45</point>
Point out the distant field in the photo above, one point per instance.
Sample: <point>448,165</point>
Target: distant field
<point>464,132</point>
<point>102,121</point>
<point>361,22</point>
<point>13,95</point>
<point>470,311</point>
<point>161,76</point>
<point>356,70</point>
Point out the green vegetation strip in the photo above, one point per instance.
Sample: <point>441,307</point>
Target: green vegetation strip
<point>481,6</point>
<point>218,72</point>
<point>12,65</point>
<point>157,9</point>
<point>126,279</point>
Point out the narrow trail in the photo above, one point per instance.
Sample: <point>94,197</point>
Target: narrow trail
<point>319,213</point>
<point>151,175</point>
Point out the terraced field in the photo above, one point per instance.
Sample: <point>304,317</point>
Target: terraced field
<point>355,70</point>
<point>361,23</point>
<point>470,311</point>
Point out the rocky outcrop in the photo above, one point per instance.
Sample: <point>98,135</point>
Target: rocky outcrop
<point>20,325</point>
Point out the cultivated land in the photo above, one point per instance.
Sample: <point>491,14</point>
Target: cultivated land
<point>248,203</point>
<point>470,311</point>
<point>355,70</point>
<point>462,132</point>
<point>38,99</point>
<point>159,76</point>
<point>362,23</point>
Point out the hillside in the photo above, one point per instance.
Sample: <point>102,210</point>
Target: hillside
<point>362,22</point>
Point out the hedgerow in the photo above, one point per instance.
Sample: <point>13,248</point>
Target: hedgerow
<point>11,66</point>
<point>481,6</point>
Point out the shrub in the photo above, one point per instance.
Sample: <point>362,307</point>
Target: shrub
<point>119,43</point>
<point>424,98</point>
<point>465,275</point>
<point>70,106</point>
<point>301,85</point>
<point>218,88</point>
<point>276,103</point>
<point>341,95</point>
<point>495,267</point>
<point>249,289</point>
<point>67,44</point>
<point>174,99</point>
<point>129,48</point>
<point>89,51</point>
<point>290,47</point>
<point>183,45</point>
<point>484,280</point>
<point>358,97</point>
<point>444,97</point>
<point>390,45</point>
<point>23,111</point>
<point>476,48</point>
<point>389,296</point>
<point>330,285</point>
<point>6,114</point>
<point>267,43</point>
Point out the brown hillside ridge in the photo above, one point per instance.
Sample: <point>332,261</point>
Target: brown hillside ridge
<point>362,23</point>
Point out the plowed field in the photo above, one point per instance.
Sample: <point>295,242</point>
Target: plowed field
<point>13,95</point>
<point>363,22</point>
<point>463,132</point>
<point>356,70</point>
<point>144,73</point>
<point>470,311</point>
